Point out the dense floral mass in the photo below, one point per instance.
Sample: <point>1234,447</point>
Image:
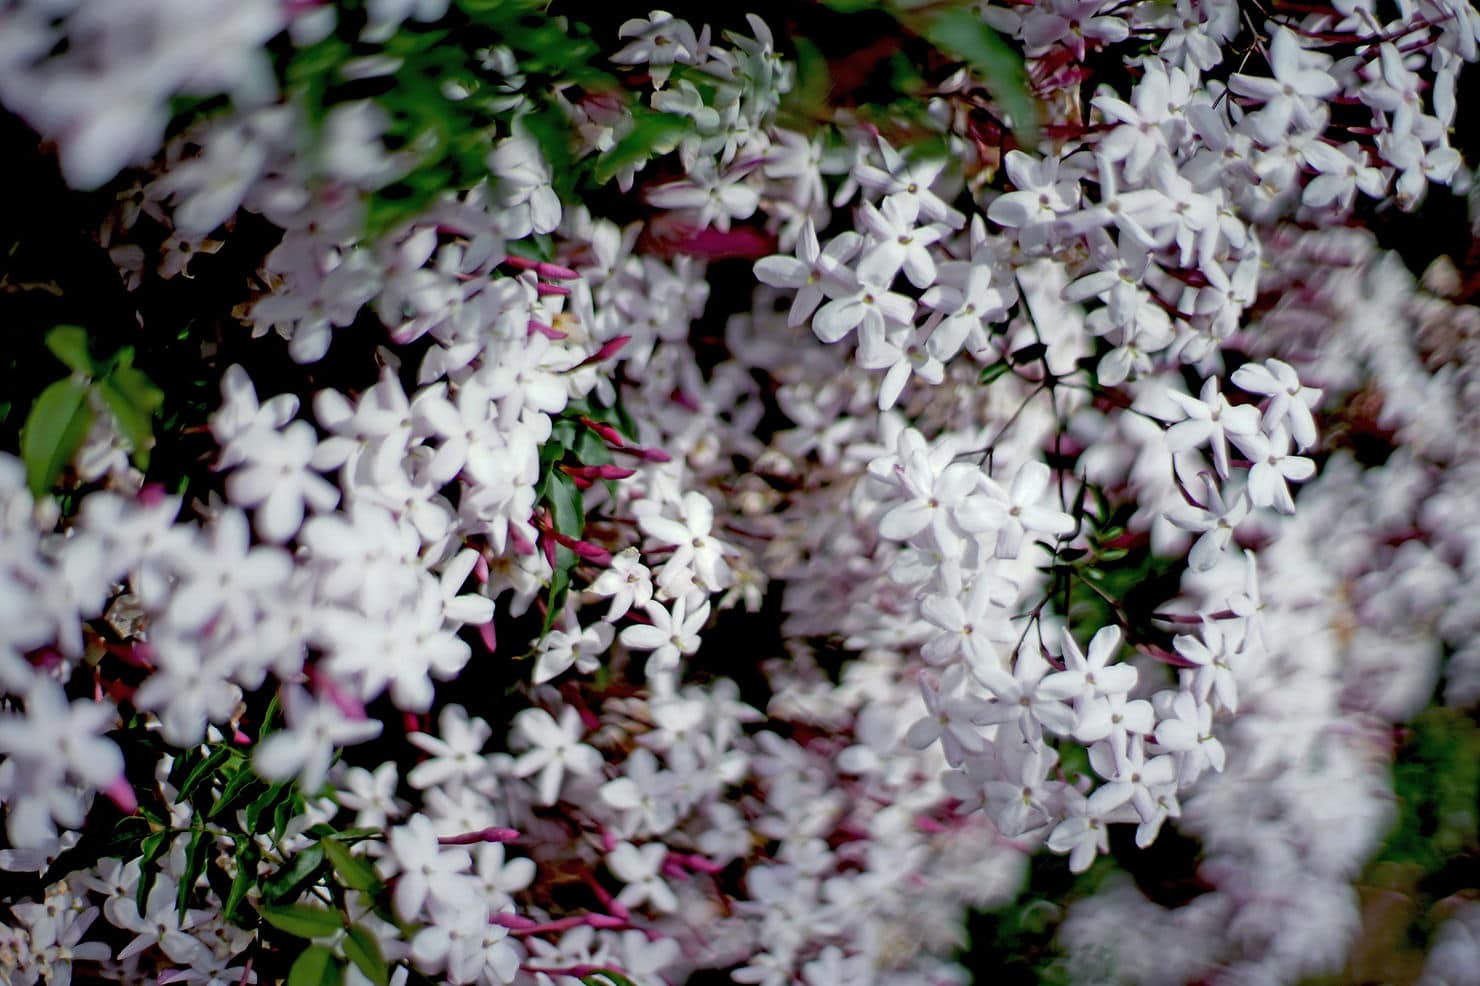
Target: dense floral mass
<point>660,496</point>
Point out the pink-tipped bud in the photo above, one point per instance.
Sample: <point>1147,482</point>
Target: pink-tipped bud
<point>608,434</point>
<point>45,658</point>
<point>486,634</point>
<point>522,544</point>
<point>540,287</point>
<point>608,471</point>
<point>545,330</point>
<point>695,862</point>
<point>584,549</point>
<point>121,793</point>
<point>520,263</point>
<point>343,700</point>
<point>514,922</point>
<point>480,569</point>
<point>608,349</point>
<point>240,738</point>
<point>1165,656</point>
<point>490,834</point>
<point>649,454</point>
<point>151,494</point>
<point>555,272</point>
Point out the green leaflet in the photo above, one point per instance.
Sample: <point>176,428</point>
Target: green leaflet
<point>53,432</point>
<point>363,950</point>
<point>303,920</point>
<point>317,966</point>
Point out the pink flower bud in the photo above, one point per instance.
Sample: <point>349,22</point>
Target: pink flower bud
<point>555,272</point>
<point>608,349</point>
<point>608,434</point>
<point>121,793</point>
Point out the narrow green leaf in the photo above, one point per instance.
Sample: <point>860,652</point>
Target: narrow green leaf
<point>353,871</point>
<point>202,772</point>
<point>292,880</point>
<point>273,707</point>
<point>68,343</point>
<point>559,582</point>
<point>303,920</point>
<point>265,802</point>
<point>284,813</point>
<point>994,372</point>
<point>1029,354</point>
<point>962,33</point>
<point>235,789</point>
<point>196,854</point>
<point>152,846</point>
<point>363,950</point>
<point>317,966</point>
<point>611,977</point>
<point>133,399</point>
<point>54,431</point>
<point>245,879</point>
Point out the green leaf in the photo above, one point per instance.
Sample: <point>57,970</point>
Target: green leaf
<point>353,871</point>
<point>995,371</point>
<point>293,879</point>
<point>611,977</point>
<point>273,708</point>
<point>152,846</point>
<point>363,950</point>
<point>284,813</point>
<point>566,503</point>
<point>317,966</point>
<point>202,772</point>
<point>235,788</point>
<point>652,133</point>
<point>196,854</point>
<point>559,582</point>
<point>814,80</point>
<point>247,855</point>
<point>303,920</point>
<point>1029,354</point>
<point>54,431</point>
<point>962,33</point>
<point>591,449</point>
<point>68,343</point>
<point>265,802</point>
<point>133,399</point>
